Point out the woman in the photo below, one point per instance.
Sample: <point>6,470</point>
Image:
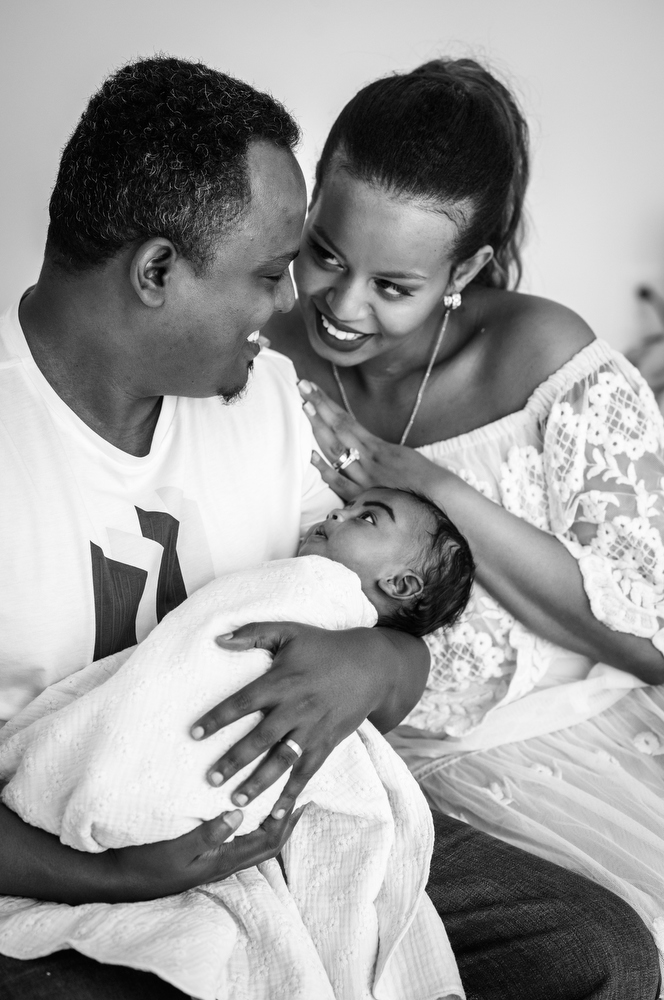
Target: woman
<point>420,368</point>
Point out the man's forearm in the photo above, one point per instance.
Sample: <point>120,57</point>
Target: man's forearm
<point>35,864</point>
<point>406,665</point>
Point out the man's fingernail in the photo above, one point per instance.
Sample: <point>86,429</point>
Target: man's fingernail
<point>241,799</point>
<point>198,732</point>
<point>233,819</point>
<point>304,386</point>
<point>216,777</point>
<point>309,408</point>
<point>279,813</point>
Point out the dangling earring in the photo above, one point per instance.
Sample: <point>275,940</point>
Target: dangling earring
<point>452,301</point>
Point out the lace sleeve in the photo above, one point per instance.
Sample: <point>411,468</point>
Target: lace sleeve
<point>604,469</point>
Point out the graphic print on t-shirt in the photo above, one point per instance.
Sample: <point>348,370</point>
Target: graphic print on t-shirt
<point>140,577</point>
<point>119,586</point>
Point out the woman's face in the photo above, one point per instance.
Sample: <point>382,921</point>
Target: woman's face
<point>372,271</point>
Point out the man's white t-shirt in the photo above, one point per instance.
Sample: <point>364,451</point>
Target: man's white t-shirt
<point>98,545</point>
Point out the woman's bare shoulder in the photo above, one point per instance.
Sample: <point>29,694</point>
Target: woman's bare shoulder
<point>529,338</point>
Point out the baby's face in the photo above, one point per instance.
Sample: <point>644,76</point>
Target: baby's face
<point>379,535</point>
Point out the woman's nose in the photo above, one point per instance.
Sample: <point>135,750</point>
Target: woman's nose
<point>336,515</point>
<point>347,302</point>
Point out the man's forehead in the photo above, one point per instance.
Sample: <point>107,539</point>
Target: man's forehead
<point>268,234</point>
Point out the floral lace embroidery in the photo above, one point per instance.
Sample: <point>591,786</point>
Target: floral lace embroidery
<point>588,466</point>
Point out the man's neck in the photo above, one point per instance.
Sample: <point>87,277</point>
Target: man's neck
<point>69,327</point>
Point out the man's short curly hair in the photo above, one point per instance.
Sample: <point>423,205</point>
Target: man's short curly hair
<point>448,571</point>
<point>159,151</point>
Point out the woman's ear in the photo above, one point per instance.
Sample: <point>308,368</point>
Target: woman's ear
<point>464,272</point>
<point>150,270</point>
<point>402,586</point>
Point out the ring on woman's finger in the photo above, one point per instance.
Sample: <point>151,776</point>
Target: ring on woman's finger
<point>346,457</point>
<point>295,747</point>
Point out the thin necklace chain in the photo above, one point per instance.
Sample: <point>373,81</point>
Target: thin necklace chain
<point>420,391</point>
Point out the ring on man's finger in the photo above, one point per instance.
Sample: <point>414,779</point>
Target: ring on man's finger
<point>295,747</point>
<point>347,456</point>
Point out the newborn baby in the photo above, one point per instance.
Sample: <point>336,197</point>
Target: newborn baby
<point>105,758</point>
<point>118,766</point>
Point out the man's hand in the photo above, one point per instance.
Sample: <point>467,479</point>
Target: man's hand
<point>322,685</point>
<point>35,864</point>
<point>200,856</point>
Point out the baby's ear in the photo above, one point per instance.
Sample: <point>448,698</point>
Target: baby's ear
<point>402,586</point>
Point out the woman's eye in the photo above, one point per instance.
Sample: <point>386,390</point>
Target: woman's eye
<point>325,256</point>
<point>367,515</point>
<point>393,291</point>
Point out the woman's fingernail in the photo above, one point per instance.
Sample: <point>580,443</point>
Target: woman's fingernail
<point>315,457</point>
<point>304,386</point>
<point>225,637</point>
<point>241,799</point>
<point>198,732</point>
<point>278,813</point>
<point>216,777</point>
<point>309,408</point>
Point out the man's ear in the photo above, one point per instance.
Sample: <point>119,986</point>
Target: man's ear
<point>464,272</point>
<point>150,270</point>
<point>402,586</point>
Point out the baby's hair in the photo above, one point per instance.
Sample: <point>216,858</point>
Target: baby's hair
<point>448,571</point>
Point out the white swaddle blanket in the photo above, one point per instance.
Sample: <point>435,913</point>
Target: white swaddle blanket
<point>105,758</point>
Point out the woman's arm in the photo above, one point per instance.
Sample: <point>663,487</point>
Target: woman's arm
<point>527,570</point>
<point>538,581</point>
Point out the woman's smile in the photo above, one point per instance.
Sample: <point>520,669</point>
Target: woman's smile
<point>338,336</point>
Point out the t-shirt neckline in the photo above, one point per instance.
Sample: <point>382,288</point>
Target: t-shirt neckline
<point>75,423</point>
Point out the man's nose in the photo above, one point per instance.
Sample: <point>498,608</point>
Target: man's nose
<point>285,297</point>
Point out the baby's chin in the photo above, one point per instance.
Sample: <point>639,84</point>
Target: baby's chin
<point>307,548</point>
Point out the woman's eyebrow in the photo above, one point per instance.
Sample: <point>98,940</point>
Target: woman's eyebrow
<point>379,503</point>
<point>323,235</point>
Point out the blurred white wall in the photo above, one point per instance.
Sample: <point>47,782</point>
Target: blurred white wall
<point>590,74</point>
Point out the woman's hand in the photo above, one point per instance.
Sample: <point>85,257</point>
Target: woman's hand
<point>321,686</point>
<point>380,463</point>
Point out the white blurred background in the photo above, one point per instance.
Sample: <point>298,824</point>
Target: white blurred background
<point>589,73</point>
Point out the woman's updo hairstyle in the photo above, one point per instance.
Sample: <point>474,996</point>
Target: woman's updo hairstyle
<point>453,136</point>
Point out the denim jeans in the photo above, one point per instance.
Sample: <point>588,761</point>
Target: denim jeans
<point>521,929</point>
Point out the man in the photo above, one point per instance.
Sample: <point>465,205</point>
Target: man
<point>127,484</point>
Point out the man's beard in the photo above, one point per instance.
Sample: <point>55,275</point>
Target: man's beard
<point>233,395</point>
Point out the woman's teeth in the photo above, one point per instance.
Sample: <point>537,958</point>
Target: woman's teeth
<point>253,337</point>
<point>339,334</point>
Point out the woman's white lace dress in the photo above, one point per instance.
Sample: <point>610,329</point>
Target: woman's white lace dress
<point>521,738</point>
